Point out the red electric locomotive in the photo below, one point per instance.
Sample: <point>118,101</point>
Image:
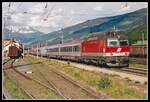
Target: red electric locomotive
<point>110,50</point>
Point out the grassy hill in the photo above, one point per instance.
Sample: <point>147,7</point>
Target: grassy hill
<point>136,34</point>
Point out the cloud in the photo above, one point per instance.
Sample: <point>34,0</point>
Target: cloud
<point>37,8</point>
<point>35,21</point>
<point>20,29</point>
<point>28,32</point>
<point>62,14</point>
<point>58,10</point>
<point>72,12</point>
<point>98,8</point>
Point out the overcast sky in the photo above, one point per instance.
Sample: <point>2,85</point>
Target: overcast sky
<point>52,16</point>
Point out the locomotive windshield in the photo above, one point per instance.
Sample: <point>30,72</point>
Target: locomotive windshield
<point>123,42</point>
<point>116,42</point>
<point>112,42</point>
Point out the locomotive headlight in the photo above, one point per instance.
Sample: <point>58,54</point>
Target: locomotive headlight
<point>104,49</point>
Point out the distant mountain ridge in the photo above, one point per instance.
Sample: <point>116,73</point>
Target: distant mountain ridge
<point>127,22</point>
<point>24,38</point>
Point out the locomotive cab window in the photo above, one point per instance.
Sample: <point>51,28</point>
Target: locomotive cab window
<point>112,42</point>
<point>123,42</point>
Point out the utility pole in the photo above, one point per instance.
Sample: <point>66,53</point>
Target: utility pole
<point>31,49</point>
<point>10,31</point>
<point>28,50</point>
<point>143,38</point>
<point>46,48</point>
<point>62,36</point>
<point>3,33</point>
<point>4,26</point>
<point>114,31</point>
<point>72,46</point>
<point>46,42</point>
<point>37,50</point>
<point>61,40</point>
<point>23,50</point>
<point>114,28</point>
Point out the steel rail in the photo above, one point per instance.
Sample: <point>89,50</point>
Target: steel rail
<point>53,85</point>
<point>25,91</point>
<point>74,82</point>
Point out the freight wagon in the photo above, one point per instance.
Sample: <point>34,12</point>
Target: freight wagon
<point>138,51</point>
<point>14,52</point>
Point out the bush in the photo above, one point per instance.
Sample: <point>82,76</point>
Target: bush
<point>129,91</point>
<point>104,82</point>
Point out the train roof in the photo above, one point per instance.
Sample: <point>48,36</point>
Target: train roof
<point>66,43</point>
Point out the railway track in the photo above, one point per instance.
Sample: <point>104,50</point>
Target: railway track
<point>135,70</point>
<point>54,88</point>
<point>7,60</point>
<point>58,79</point>
<point>138,60</point>
<point>75,83</point>
<point>10,77</point>
<point>13,74</point>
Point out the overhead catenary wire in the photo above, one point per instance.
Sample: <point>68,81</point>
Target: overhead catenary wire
<point>44,13</point>
<point>19,5</point>
<point>51,10</point>
<point>48,12</point>
<point>9,5</point>
<point>46,5</point>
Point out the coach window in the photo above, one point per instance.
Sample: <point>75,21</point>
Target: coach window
<point>67,49</point>
<point>56,49</point>
<point>53,50</point>
<point>76,48</point>
<point>64,49</point>
<point>70,49</point>
<point>61,49</point>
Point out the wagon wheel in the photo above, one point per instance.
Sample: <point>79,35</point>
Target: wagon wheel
<point>103,63</point>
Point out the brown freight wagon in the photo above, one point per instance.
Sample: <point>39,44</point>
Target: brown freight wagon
<point>13,52</point>
<point>138,51</point>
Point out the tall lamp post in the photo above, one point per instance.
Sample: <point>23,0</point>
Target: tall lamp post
<point>3,29</point>
<point>143,38</point>
<point>62,37</point>
<point>61,40</point>
<point>37,50</point>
